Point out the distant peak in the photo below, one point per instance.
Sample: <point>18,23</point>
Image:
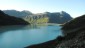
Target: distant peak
<point>47,12</point>
<point>63,12</point>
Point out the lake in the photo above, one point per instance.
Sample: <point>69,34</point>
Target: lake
<point>21,36</point>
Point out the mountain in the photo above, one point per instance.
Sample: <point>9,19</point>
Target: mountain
<point>16,13</point>
<point>46,17</point>
<point>10,20</point>
<point>58,17</point>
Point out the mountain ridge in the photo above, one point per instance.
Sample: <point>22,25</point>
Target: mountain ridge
<point>46,17</point>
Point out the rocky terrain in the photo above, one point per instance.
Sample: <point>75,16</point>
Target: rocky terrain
<point>73,36</point>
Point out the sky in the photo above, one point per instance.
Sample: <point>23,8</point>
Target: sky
<point>74,7</point>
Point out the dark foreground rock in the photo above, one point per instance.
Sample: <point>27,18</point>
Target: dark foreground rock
<point>49,44</point>
<point>10,20</point>
<point>73,36</point>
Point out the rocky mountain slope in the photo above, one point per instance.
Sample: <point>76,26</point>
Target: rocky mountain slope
<point>58,17</point>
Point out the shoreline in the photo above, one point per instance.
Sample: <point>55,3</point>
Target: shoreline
<point>48,24</point>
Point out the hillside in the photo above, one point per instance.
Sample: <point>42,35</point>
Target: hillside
<point>10,20</point>
<point>74,33</point>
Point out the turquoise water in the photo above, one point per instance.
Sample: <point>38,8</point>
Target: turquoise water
<point>22,36</point>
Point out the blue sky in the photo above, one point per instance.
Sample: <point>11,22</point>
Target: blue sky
<point>73,7</point>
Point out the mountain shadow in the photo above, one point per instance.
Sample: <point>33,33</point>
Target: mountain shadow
<point>11,20</point>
